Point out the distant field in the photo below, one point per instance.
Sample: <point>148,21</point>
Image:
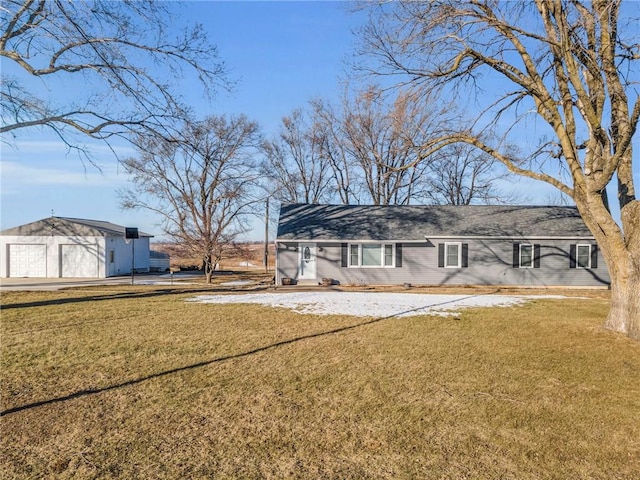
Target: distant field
<point>240,256</point>
<point>135,382</point>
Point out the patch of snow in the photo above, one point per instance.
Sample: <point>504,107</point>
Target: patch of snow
<point>246,264</point>
<point>372,304</point>
<point>237,283</point>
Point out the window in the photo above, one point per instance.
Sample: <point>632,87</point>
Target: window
<point>354,259</point>
<point>452,255</point>
<point>388,255</point>
<point>526,255</point>
<point>583,256</point>
<point>371,255</point>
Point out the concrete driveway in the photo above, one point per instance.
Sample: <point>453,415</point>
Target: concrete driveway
<point>7,284</point>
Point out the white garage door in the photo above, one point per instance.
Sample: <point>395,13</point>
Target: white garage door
<point>79,261</point>
<point>27,260</point>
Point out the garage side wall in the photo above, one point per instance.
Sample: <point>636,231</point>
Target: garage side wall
<point>119,262</point>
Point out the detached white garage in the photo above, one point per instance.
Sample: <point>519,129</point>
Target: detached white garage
<point>61,247</point>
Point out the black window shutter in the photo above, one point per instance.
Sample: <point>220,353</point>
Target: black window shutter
<point>398,255</point>
<point>572,256</point>
<point>345,255</point>
<point>441,255</point>
<point>516,255</point>
<point>465,255</point>
<point>536,255</point>
<point>594,256</point>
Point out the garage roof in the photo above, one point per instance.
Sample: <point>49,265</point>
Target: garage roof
<point>65,226</point>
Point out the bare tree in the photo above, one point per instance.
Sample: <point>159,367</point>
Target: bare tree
<point>567,64</point>
<point>128,62</point>
<point>462,175</point>
<point>346,178</point>
<point>295,166</point>
<point>201,184</point>
<point>375,147</point>
<point>382,141</point>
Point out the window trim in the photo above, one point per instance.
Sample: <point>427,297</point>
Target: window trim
<point>588,245</point>
<point>446,254</point>
<point>532,259</point>
<point>382,245</point>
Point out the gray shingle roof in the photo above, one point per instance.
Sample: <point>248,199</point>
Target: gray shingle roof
<point>66,226</point>
<point>414,223</point>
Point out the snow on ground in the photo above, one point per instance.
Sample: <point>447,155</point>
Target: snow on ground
<point>371,304</point>
<point>246,264</point>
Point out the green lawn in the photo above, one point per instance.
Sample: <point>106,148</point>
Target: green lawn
<point>134,382</point>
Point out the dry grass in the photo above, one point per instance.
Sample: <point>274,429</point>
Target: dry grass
<point>134,382</point>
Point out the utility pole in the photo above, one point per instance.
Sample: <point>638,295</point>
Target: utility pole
<point>266,238</point>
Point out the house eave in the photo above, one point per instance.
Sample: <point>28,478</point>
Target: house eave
<point>434,237</point>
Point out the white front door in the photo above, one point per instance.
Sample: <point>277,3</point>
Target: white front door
<point>307,265</point>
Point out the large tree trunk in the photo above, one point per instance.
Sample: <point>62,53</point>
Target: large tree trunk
<point>624,314</point>
<point>621,251</point>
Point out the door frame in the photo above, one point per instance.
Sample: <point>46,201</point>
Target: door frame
<point>313,251</point>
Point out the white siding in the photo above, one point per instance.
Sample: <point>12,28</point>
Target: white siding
<point>53,256</point>
<point>122,255</point>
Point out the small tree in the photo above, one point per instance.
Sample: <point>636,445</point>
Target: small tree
<point>201,183</point>
<point>568,65</point>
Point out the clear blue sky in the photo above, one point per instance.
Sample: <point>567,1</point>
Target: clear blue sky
<point>281,54</point>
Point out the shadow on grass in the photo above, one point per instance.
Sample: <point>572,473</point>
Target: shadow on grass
<point>93,391</point>
<point>132,295</point>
